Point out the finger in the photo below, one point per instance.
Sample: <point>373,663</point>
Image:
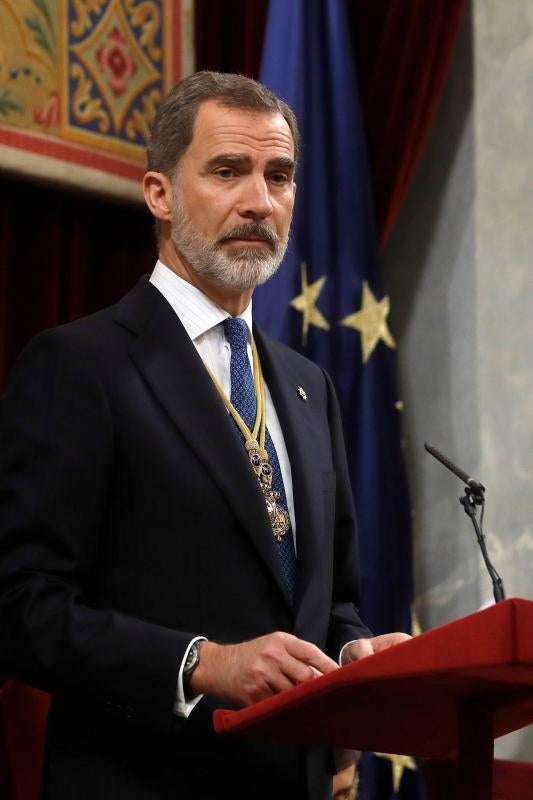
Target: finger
<point>279,683</point>
<point>268,686</point>
<point>312,655</point>
<point>298,671</point>
<point>387,640</point>
<point>257,692</point>
<point>361,649</point>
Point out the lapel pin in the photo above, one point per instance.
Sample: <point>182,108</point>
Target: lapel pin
<point>302,393</point>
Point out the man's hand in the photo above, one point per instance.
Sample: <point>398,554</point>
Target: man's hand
<point>248,672</point>
<point>361,648</point>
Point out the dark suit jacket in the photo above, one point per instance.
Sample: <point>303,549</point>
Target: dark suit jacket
<point>130,521</point>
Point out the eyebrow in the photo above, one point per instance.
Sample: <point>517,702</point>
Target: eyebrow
<point>280,162</point>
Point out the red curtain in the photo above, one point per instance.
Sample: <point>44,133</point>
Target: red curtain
<point>61,257</point>
<point>229,35</point>
<point>404,48</point>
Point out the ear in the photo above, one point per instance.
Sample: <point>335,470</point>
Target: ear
<point>158,194</point>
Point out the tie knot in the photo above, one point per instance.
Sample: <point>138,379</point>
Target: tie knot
<point>236,332</point>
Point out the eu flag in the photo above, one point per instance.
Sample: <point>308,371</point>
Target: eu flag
<point>327,302</point>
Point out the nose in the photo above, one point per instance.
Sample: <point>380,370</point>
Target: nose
<point>254,202</point>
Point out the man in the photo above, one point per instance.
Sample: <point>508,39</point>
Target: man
<point>345,783</point>
<point>177,532</point>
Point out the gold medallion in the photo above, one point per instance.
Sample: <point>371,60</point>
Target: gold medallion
<point>254,442</point>
<point>277,514</point>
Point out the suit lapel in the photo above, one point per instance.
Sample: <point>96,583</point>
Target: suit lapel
<point>171,366</point>
<point>307,477</point>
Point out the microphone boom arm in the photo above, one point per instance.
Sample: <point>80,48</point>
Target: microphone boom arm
<point>474,496</point>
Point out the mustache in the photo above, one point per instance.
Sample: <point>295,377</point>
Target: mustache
<point>253,230</point>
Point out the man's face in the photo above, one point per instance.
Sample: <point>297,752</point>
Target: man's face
<point>234,195</point>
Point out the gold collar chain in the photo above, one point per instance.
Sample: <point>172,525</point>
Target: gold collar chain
<point>278,515</point>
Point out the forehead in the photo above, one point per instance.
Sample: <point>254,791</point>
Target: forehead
<point>218,128</point>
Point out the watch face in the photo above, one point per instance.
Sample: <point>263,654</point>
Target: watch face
<point>192,659</point>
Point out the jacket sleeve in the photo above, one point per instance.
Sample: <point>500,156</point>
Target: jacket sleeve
<point>56,465</point>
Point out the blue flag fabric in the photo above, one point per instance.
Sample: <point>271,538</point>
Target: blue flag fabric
<point>326,301</point>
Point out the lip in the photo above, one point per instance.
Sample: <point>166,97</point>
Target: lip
<point>252,241</point>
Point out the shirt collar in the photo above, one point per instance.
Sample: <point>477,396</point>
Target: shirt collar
<point>197,312</point>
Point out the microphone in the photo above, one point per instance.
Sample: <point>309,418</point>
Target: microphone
<point>474,495</point>
<point>477,487</point>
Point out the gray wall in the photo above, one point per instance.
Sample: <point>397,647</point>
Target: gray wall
<point>459,270</point>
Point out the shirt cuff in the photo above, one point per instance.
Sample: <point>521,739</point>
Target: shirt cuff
<point>342,663</point>
<point>183,707</point>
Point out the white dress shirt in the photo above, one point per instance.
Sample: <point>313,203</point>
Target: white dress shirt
<point>202,319</point>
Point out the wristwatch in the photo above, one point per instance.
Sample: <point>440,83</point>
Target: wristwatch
<point>191,662</point>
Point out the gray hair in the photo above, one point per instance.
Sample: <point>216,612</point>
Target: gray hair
<point>172,131</point>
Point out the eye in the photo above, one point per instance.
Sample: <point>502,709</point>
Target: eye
<point>280,177</point>
<point>225,172</point>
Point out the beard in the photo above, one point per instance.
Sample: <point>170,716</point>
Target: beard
<point>244,267</point>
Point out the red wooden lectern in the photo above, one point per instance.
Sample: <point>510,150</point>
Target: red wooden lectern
<point>445,694</point>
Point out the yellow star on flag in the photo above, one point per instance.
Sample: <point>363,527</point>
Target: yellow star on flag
<point>371,321</point>
<point>416,628</point>
<point>398,765</point>
<point>306,303</point>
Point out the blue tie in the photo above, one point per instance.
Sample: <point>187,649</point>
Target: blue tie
<point>244,399</point>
